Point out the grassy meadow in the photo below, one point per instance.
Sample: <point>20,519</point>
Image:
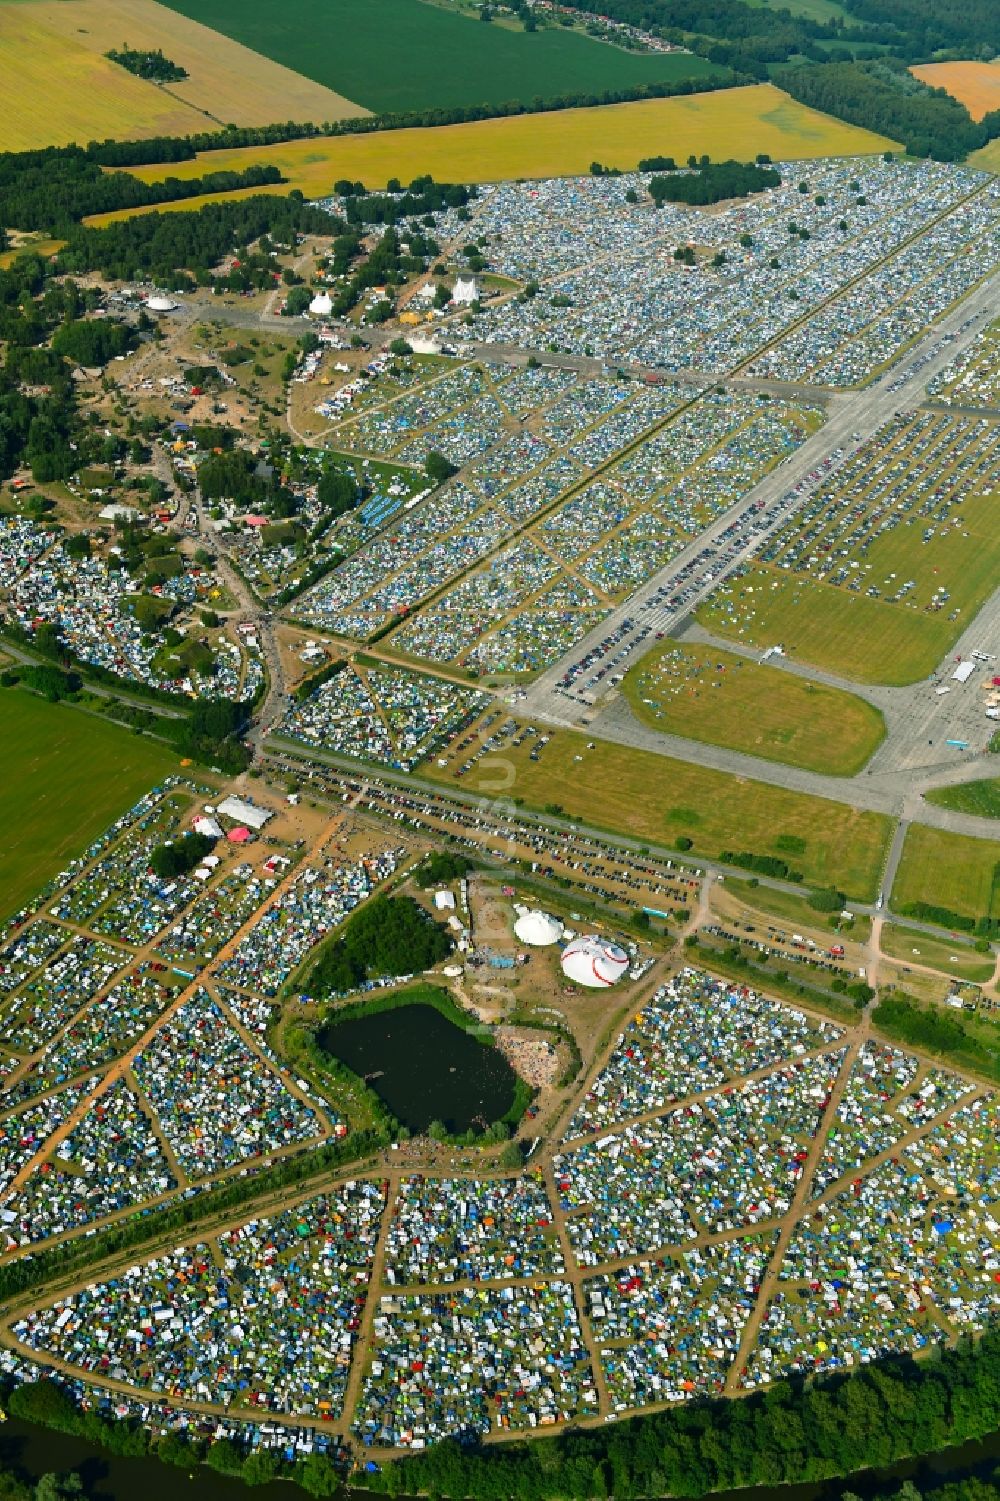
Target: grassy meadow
<point>981,799</point>
<point>722,699</point>
<point>948,870</point>
<point>653,797</point>
<point>67,775</point>
<point>910,946</point>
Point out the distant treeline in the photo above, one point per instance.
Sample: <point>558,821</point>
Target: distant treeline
<point>749,38</point>
<point>885,97</point>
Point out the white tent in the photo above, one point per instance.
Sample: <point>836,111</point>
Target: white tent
<point>594,961</point>
<point>466,292</point>
<point>208,826</point>
<point>241,812</point>
<point>321,305</point>
<point>538,929</point>
<point>160,304</point>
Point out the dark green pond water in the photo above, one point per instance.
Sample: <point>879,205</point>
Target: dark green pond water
<point>424,1068</point>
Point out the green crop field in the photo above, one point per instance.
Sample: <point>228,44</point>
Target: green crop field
<point>67,775</point>
<point>949,871</point>
<point>403,54</point>
<point>979,798</point>
<point>722,699</point>
<point>653,797</point>
<point>910,946</point>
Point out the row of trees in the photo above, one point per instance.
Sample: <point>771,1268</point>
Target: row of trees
<point>54,188</point>
<point>185,148</point>
<point>791,1433</point>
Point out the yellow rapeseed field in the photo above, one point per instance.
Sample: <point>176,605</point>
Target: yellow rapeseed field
<point>226,84</point>
<point>976,85</point>
<point>730,123</point>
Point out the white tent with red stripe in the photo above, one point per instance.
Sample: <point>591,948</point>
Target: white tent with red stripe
<point>594,961</point>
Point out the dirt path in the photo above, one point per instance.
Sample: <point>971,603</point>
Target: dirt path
<point>799,1201</point>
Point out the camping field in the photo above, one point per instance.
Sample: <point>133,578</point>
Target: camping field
<point>67,775</point>
<point>864,640</point>
<point>869,640</point>
<point>653,797</point>
<point>950,871</point>
<point>723,699</point>
<point>729,122</point>
<point>405,54</point>
<point>976,85</point>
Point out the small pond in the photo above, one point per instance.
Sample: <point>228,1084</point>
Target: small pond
<point>424,1068</point>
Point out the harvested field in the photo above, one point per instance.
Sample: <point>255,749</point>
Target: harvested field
<point>976,85</point>
<point>226,84</point>
<point>57,90</point>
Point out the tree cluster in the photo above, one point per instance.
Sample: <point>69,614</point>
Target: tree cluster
<point>58,186</point>
<point>791,1433</point>
<point>389,935</point>
<point>884,97</point>
<point>714,182</point>
<point>151,64</point>
<point>181,855</point>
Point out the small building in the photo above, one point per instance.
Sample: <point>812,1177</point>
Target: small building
<point>444,901</point>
